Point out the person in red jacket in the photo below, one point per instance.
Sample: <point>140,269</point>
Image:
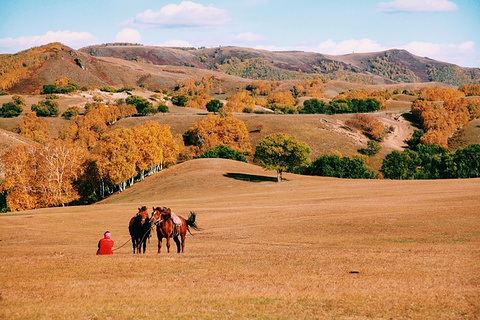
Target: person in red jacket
<point>105,245</point>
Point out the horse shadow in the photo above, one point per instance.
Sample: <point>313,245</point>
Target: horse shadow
<point>249,177</point>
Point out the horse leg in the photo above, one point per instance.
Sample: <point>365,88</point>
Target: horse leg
<point>134,244</point>
<point>177,242</point>
<point>144,245</point>
<point>168,244</point>
<point>159,244</point>
<point>183,241</point>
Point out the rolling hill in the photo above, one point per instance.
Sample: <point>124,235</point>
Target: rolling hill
<point>163,67</point>
<point>309,247</point>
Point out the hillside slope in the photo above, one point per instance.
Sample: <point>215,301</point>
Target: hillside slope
<point>163,67</point>
<point>29,70</point>
<point>308,247</point>
<point>389,66</point>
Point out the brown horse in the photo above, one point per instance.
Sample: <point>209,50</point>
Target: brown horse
<point>139,228</point>
<point>162,218</point>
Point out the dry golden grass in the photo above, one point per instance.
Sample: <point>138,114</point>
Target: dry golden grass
<point>266,250</point>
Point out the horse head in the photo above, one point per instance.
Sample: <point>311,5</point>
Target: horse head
<point>156,217</point>
<point>160,214</point>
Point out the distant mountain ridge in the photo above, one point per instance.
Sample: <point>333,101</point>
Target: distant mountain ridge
<point>123,64</point>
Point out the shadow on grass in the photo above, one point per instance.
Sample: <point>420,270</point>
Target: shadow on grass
<point>249,177</point>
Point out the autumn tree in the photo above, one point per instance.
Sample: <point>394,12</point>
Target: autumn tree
<point>310,88</point>
<point>369,125</point>
<point>194,93</point>
<point>19,168</point>
<point>156,147</point>
<point>117,157</point>
<point>281,98</point>
<point>34,128</point>
<point>282,152</point>
<point>441,112</point>
<point>212,131</point>
<point>239,102</point>
<point>472,89</point>
<point>43,175</point>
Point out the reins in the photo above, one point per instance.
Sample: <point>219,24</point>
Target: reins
<point>153,224</point>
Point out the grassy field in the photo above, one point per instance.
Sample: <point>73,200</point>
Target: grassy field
<point>266,250</point>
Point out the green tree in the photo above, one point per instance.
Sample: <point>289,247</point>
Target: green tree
<point>224,152</point>
<point>340,167</point>
<point>46,108</point>
<point>13,108</point>
<point>142,105</point>
<point>282,152</point>
<point>464,163</point>
<point>180,100</point>
<point>401,165</point>
<point>214,105</point>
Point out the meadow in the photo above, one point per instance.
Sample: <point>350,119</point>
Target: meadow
<point>305,248</point>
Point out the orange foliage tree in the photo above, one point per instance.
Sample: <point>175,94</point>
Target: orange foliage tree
<point>197,90</point>
<point>310,88</point>
<point>212,131</point>
<point>117,157</point>
<point>239,102</point>
<point>156,146</point>
<point>369,125</point>
<point>281,98</point>
<point>472,89</point>
<point>363,94</point>
<point>35,128</point>
<point>441,112</point>
<point>41,176</point>
<point>87,130</point>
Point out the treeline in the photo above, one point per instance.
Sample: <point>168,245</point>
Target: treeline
<point>340,106</point>
<point>89,161</point>
<point>433,162</point>
<point>441,112</point>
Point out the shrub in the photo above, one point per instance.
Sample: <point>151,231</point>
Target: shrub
<point>180,100</point>
<point>224,152</point>
<point>214,105</point>
<point>13,108</point>
<point>71,112</point>
<point>340,167</point>
<point>372,148</point>
<point>10,110</point>
<point>142,105</point>
<point>163,108</point>
<point>46,108</point>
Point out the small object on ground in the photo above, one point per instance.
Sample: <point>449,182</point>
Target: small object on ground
<point>354,271</point>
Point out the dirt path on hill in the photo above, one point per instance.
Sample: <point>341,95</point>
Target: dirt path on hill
<point>402,130</point>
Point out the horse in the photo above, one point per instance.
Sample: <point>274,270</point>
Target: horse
<point>162,218</point>
<point>139,228</point>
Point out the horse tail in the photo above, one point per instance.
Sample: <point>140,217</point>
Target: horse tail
<point>191,222</point>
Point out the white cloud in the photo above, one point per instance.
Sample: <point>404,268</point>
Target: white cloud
<point>348,46</point>
<point>247,37</point>
<point>128,35</point>
<point>461,54</point>
<point>416,6</point>
<point>176,43</point>
<point>71,39</point>
<point>185,14</point>
<point>464,54</point>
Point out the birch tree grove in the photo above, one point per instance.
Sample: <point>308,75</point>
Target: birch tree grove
<point>118,157</point>
<point>41,176</point>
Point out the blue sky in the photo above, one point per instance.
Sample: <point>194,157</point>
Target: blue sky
<point>445,30</point>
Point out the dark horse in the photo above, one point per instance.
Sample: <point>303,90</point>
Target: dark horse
<point>139,228</point>
<point>162,218</point>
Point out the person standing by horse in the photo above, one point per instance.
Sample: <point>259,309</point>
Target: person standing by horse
<point>105,245</point>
